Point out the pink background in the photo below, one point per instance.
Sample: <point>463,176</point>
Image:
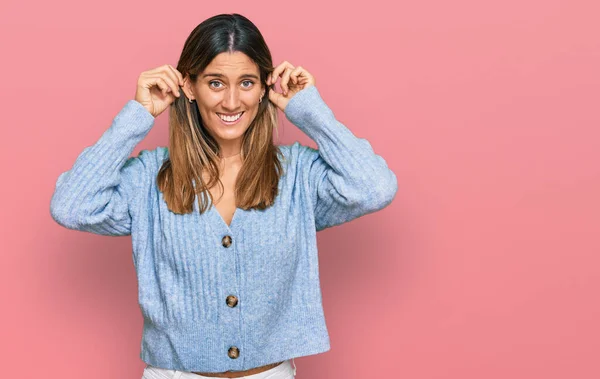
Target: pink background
<point>487,263</point>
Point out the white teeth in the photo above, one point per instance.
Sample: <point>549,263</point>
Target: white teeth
<point>230,118</point>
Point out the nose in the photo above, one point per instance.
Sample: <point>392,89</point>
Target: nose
<point>231,101</point>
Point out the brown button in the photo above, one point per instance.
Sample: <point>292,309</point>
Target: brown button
<point>233,352</point>
<point>231,301</point>
<point>226,241</point>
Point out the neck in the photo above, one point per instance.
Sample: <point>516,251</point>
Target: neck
<point>230,149</point>
<point>231,156</point>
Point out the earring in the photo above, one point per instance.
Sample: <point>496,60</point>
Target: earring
<point>191,100</point>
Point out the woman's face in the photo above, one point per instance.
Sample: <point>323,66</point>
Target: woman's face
<point>229,85</point>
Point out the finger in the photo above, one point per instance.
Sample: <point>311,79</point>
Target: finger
<point>165,71</point>
<point>275,74</point>
<point>285,78</point>
<point>154,70</point>
<point>159,82</point>
<point>158,69</point>
<point>171,79</point>
<point>162,83</point>
<point>278,70</point>
<point>177,73</point>
<point>295,73</point>
<point>275,98</point>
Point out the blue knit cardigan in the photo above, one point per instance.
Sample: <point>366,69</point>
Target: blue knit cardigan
<point>217,297</point>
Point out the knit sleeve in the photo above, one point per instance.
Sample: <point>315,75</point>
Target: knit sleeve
<point>97,193</point>
<point>346,177</point>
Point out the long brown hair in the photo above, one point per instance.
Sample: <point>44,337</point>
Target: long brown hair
<point>193,151</point>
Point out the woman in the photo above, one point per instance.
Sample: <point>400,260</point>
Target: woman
<point>231,290</point>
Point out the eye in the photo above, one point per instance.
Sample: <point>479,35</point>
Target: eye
<point>214,81</point>
<point>248,81</point>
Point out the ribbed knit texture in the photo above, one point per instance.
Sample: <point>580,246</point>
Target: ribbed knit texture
<point>185,272</point>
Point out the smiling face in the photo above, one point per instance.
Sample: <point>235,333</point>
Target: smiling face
<point>229,86</point>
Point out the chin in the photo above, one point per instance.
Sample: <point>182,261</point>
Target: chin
<point>227,133</point>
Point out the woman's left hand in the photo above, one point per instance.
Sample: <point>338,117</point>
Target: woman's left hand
<point>293,80</point>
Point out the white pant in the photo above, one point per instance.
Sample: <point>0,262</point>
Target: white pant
<point>286,370</point>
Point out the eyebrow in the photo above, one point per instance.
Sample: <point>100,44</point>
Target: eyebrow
<point>222,76</point>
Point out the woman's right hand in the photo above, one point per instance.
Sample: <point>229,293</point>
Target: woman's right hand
<point>157,88</point>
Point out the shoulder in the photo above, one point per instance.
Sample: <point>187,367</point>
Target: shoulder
<point>148,160</point>
<point>156,155</point>
<point>298,155</point>
<point>301,162</point>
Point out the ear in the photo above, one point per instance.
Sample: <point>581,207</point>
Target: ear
<point>187,88</point>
